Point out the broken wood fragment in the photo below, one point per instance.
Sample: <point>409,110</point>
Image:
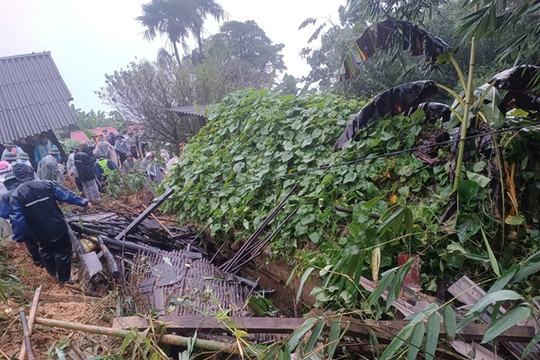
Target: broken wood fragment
<point>26,341</point>
<point>385,330</point>
<point>112,266</point>
<point>230,348</point>
<point>31,318</point>
<point>466,291</point>
<point>145,214</point>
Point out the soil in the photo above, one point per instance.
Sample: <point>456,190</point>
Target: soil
<point>70,304</point>
<point>43,338</point>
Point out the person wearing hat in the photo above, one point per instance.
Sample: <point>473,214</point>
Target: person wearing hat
<point>103,147</point>
<point>93,141</point>
<point>34,210</point>
<point>48,168</point>
<point>130,164</point>
<point>10,157</point>
<point>10,147</point>
<point>43,148</point>
<point>85,162</point>
<point>122,147</point>
<point>72,169</point>
<point>11,182</point>
<point>152,168</point>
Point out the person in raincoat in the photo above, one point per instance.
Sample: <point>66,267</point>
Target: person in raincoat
<point>34,210</point>
<point>122,147</point>
<point>48,168</point>
<point>85,162</point>
<point>11,183</point>
<point>129,165</point>
<point>153,169</point>
<point>10,147</point>
<point>72,169</point>
<point>43,148</point>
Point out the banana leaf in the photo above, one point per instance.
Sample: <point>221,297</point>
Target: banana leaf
<point>523,85</point>
<point>522,78</point>
<point>393,101</point>
<point>433,111</point>
<point>388,32</point>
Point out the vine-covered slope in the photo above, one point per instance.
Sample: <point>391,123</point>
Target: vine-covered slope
<point>257,145</point>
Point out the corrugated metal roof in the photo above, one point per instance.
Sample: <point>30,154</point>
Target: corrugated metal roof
<point>33,96</point>
<point>190,110</point>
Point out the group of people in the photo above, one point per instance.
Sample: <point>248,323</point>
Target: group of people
<point>28,198</point>
<point>30,205</point>
<point>103,159</point>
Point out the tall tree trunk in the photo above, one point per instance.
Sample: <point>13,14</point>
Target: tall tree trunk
<point>176,53</point>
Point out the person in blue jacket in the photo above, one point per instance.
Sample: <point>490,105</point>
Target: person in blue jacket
<point>34,210</point>
<point>30,241</point>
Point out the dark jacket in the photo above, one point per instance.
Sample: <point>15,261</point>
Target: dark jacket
<point>10,185</point>
<point>84,162</point>
<point>34,207</point>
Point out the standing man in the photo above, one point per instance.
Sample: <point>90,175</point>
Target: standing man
<point>43,148</point>
<point>48,169</point>
<point>72,169</point>
<point>122,147</point>
<point>11,183</point>
<point>35,211</point>
<point>10,147</point>
<point>85,162</point>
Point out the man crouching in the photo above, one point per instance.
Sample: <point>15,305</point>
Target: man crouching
<point>35,210</point>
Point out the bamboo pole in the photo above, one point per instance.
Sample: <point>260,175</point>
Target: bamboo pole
<point>159,222</point>
<point>230,348</point>
<point>26,332</point>
<point>31,319</point>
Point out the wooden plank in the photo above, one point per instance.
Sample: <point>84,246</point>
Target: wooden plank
<point>466,291</point>
<point>406,309</point>
<point>144,214</point>
<point>385,330</point>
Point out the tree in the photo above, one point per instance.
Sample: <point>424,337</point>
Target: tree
<point>177,19</point>
<point>162,17</point>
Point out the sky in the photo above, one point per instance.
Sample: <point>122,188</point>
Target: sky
<point>88,39</point>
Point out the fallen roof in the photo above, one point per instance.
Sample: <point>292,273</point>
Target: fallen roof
<point>197,110</point>
<point>33,96</point>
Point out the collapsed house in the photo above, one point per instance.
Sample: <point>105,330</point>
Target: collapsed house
<point>34,99</point>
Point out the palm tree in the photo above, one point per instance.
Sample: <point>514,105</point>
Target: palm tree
<point>198,12</point>
<point>177,19</point>
<point>164,17</point>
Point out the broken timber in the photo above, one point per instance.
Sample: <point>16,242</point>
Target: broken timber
<point>145,214</point>
<point>385,330</point>
<point>466,291</point>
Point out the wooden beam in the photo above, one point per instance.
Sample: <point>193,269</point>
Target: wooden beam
<point>385,330</point>
<point>145,214</point>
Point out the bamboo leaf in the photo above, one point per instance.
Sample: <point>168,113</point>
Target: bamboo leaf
<point>383,284</point>
<point>397,283</point>
<point>397,342</point>
<point>501,295</point>
<point>505,322</point>
<point>416,340</point>
<point>449,317</point>
<point>432,337</point>
<point>334,337</point>
<point>300,332</point>
<point>492,259</point>
<point>527,268</point>
<point>315,333</point>
<point>374,342</point>
<point>530,346</point>
<point>503,280</point>
<point>303,280</point>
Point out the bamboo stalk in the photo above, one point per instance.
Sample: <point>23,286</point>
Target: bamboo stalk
<point>26,332</point>
<point>31,319</point>
<point>466,111</point>
<point>159,222</point>
<point>230,348</point>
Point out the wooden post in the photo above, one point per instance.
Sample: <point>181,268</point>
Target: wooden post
<point>31,319</point>
<point>26,333</point>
